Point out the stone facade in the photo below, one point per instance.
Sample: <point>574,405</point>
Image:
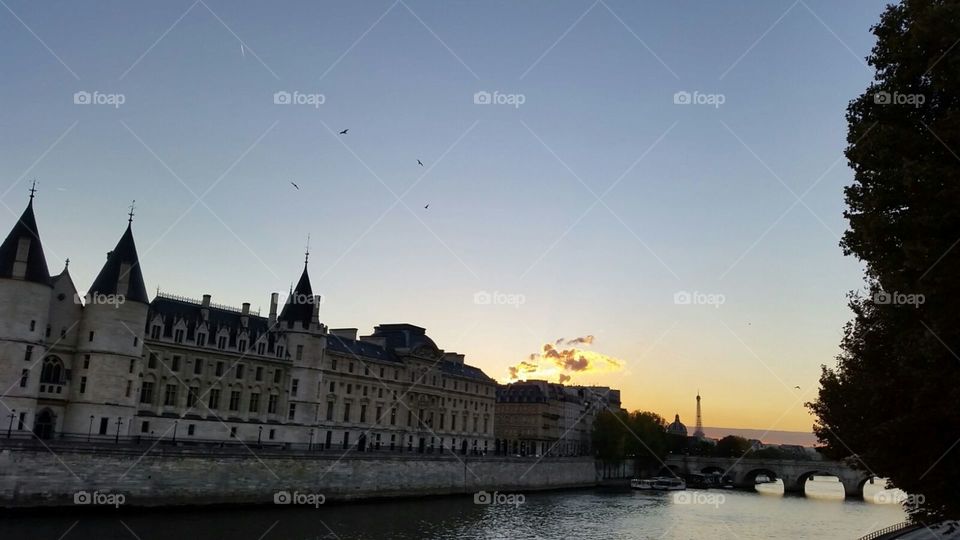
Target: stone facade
<point>541,418</point>
<point>115,364</point>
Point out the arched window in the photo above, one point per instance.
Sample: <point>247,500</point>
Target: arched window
<point>52,372</point>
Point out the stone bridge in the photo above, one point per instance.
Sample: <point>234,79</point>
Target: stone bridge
<point>793,473</point>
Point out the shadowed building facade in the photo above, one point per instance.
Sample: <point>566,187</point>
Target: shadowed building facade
<point>116,364</point>
<point>541,418</point>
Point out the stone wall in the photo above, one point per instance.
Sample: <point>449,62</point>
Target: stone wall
<point>183,476</point>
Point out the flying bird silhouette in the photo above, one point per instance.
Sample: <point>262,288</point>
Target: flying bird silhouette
<point>344,132</point>
<point>797,387</point>
<point>420,163</point>
<point>427,206</point>
<point>295,185</point>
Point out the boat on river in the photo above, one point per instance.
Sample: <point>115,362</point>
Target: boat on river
<point>658,483</point>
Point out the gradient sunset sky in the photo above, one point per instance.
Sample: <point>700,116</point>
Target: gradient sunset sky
<point>581,211</point>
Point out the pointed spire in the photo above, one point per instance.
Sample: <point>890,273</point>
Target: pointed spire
<point>21,253</point>
<point>299,305</point>
<point>133,205</point>
<point>121,274</point>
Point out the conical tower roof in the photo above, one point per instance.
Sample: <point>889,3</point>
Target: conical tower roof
<point>299,305</point>
<point>21,254</point>
<point>121,274</point>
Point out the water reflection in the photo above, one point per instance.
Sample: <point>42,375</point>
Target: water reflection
<point>578,514</point>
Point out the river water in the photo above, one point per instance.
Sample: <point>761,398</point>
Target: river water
<point>574,514</point>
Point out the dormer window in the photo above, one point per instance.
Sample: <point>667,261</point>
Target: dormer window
<point>155,332</point>
<point>178,336</point>
<point>222,342</point>
<point>260,347</point>
<point>280,351</point>
<point>201,340</point>
<point>243,345</point>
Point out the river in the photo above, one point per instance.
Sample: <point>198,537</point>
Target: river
<point>574,514</point>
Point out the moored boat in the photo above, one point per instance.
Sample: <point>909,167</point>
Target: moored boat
<point>658,483</point>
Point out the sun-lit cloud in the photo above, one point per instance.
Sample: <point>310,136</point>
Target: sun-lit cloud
<point>555,362</point>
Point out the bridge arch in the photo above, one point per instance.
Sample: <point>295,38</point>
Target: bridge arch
<point>748,479</point>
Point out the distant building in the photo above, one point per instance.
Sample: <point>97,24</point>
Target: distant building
<point>541,418</point>
<point>677,427</point>
<point>118,364</point>
<point>698,432</point>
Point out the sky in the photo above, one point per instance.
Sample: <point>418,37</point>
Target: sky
<point>665,177</point>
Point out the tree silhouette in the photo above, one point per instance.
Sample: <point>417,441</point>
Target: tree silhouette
<point>890,405</point>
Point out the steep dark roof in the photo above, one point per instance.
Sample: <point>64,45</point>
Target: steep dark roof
<point>26,227</point>
<point>365,349</point>
<point>109,277</point>
<point>359,348</point>
<point>174,310</point>
<point>403,335</point>
<point>299,305</point>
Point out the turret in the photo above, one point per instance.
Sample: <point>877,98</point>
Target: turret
<point>25,296</point>
<point>304,339</point>
<point>110,343</point>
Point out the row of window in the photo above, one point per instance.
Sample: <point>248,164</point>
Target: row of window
<point>171,394</point>
<point>175,362</point>
<point>413,378</point>
<point>222,341</point>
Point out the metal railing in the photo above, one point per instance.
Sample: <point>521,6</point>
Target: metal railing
<point>891,529</point>
<point>178,441</point>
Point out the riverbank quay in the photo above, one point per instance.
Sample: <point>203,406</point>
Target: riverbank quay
<point>98,473</point>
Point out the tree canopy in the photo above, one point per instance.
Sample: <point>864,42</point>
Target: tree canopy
<point>890,404</point>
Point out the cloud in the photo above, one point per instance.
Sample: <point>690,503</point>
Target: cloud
<point>559,361</point>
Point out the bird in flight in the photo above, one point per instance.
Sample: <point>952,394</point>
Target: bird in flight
<point>420,163</point>
<point>797,387</point>
<point>295,185</point>
<point>344,132</point>
<point>427,206</point>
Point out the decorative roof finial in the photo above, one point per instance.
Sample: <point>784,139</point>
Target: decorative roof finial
<point>306,255</point>
<point>33,188</point>
<point>67,263</point>
<point>133,205</point>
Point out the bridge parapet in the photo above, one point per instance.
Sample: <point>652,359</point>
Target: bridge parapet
<point>793,473</point>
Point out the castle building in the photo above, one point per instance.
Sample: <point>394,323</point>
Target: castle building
<point>114,364</point>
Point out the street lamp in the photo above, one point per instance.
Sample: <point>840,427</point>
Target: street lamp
<point>259,435</point>
<point>13,414</point>
<point>117,439</point>
<point>90,428</point>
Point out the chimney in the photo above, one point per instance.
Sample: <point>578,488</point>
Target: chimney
<point>315,317</point>
<point>205,310</point>
<point>274,297</point>
<point>245,315</point>
<point>206,300</point>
